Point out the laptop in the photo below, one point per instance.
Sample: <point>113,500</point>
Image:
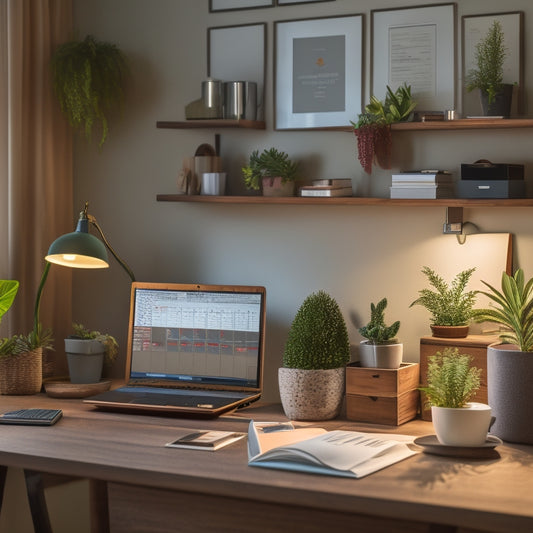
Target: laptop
<point>192,349</point>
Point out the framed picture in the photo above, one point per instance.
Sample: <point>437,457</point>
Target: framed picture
<point>415,45</point>
<point>475,27</point>
<point>234,5</point>
<point>290,2</point>
<point>238,53</point>
<point>318,72</point>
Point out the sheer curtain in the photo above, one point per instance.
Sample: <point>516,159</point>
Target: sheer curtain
<point>35,162</point>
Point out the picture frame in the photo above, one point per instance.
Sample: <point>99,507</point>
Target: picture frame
<point>318,72</point>
<point>238,5</point>
<point>474,27</point>
<point>415,45</point>
<point>292,2</point>
<point>238,53</point>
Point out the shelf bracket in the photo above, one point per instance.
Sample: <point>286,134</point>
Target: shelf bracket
<point>454,221</point>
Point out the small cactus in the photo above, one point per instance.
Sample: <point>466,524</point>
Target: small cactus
<point>376,331</point>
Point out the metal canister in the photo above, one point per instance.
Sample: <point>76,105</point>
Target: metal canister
<point>240,100</point>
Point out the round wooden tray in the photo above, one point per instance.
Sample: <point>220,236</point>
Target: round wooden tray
<point>63,388</point>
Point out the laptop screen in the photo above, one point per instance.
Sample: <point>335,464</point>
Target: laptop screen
<point>197,334</point>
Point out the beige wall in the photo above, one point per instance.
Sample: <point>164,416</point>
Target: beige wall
<point>357,254</point>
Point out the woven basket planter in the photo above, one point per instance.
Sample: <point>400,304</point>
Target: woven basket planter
<point>21,374</point>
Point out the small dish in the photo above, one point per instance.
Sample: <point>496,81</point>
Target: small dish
<point>431,445</point>
<point>63,388</point>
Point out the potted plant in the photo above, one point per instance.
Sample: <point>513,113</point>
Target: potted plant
<point>487,77</point>
<point>88,79</point>
<point>87,352</point>
<point>451,385</point>
<point>21,355</point>
<point>272,171</point>
<point>372,129</point>
<point>381,349</point>
<point>510,364</point>
<point>316,353</point>
<point>451,306</point>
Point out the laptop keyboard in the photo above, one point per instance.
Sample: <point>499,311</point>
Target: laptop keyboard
<point>183,400</point>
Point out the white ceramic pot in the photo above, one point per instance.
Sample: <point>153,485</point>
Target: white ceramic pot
<point>462,426</point>
<point>380,355</point>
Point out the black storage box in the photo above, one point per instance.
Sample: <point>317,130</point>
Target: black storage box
<point>485,170</point>
<point>491,188</point>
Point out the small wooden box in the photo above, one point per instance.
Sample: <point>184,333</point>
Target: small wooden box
<point>382,395</point>
<point>474,345</point>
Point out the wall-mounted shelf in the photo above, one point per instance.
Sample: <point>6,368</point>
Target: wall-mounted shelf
<point>212,123</point>
<point>348,200</point>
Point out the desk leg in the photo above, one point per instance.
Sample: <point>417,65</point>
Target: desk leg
<point>439,528</point>
<point>39,511</point>
<point>3,474</point>
<point>99,506</point>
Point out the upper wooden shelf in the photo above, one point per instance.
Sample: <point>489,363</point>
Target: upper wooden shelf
<point>213,123</point>
<point>348,200</point>
<point>465,124</point>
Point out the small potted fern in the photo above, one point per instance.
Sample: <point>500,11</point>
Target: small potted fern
<point>316,353</point>
<point>451,305</point>
<point>381,349</point>
<point>451,385</point>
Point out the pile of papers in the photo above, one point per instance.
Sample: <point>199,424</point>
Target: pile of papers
<point>422,184</point>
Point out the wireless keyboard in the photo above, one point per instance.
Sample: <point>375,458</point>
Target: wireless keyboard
<point>32,417</point>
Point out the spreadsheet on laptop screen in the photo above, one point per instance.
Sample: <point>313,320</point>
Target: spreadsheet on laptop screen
<point>205,337</point>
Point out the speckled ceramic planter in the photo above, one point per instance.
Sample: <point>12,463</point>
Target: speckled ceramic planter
<point>509,379</point>
<point>311,394</point>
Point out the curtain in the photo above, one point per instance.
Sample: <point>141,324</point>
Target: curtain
<point>36,162</point>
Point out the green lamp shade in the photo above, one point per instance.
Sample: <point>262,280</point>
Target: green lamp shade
<point>78,250</point>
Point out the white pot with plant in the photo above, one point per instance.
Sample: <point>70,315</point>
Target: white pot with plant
<point>451,305</point>
<point>272,172</point>
<point>451,385</point>
<point>87,352</point>
<point>381,349</point>
<point>311,381</point>
<point>510,364</point>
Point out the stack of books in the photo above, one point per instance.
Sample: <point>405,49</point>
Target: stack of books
<point>328,188</point>
<point>422,184</point>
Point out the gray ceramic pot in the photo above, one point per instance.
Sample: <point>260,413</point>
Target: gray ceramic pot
<point>509,379</point>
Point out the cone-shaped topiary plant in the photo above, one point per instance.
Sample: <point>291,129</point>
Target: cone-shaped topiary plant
<point>318,338</point>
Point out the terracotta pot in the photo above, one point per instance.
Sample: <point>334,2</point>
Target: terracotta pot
<point>311,394</point>
<point>380,355</point>
<point>450,332</point>
<point>275,187</point>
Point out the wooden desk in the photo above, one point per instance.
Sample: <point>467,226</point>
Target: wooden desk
<point>153,488</point>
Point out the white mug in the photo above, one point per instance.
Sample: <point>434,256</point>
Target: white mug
<point>213,183</point>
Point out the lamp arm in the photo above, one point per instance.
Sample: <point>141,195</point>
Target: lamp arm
<point>38,298</point>
<point>120,261</point>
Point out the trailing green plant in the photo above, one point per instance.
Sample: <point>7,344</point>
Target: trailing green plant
<point>109,342</point>
<point>270,163</point>
<point>489,57</point>
<point>451,380</point>
<point>372,128</point>
<point>514,311</point>
<point>376,331</point>
<point>449,305</point>
<point>318,337</point>
<point>88,78</point>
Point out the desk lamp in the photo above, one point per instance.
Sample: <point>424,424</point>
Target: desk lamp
<point>78,249</point>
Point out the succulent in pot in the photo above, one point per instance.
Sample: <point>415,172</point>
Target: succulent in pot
<point>316,353</point>
<point>451,385</point>
<point>451,305</point>
<point>381,349</point>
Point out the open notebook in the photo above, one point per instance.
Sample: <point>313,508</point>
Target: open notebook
<point>191,349</point>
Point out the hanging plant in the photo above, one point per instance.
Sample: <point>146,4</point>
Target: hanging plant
<point>88,78</point>
<point>372,130</point>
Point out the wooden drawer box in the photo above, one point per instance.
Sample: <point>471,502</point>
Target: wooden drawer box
<point>474,345</point>
<point>382,395</point>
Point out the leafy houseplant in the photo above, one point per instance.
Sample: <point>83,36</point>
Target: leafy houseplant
<point>510,364</point>
<point>381,349</point>
<point>272,164</point>
<point>489,57</point>
<point>314,360</point>
<point>451,383</point>
<point>373,126</point>
<point>449,305</point>
<point>88,78</point>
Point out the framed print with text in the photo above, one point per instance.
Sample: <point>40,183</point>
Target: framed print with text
<point>234,5</point>
<point>475,27</point>
<point>415,45</point>
<point>318,72</point>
